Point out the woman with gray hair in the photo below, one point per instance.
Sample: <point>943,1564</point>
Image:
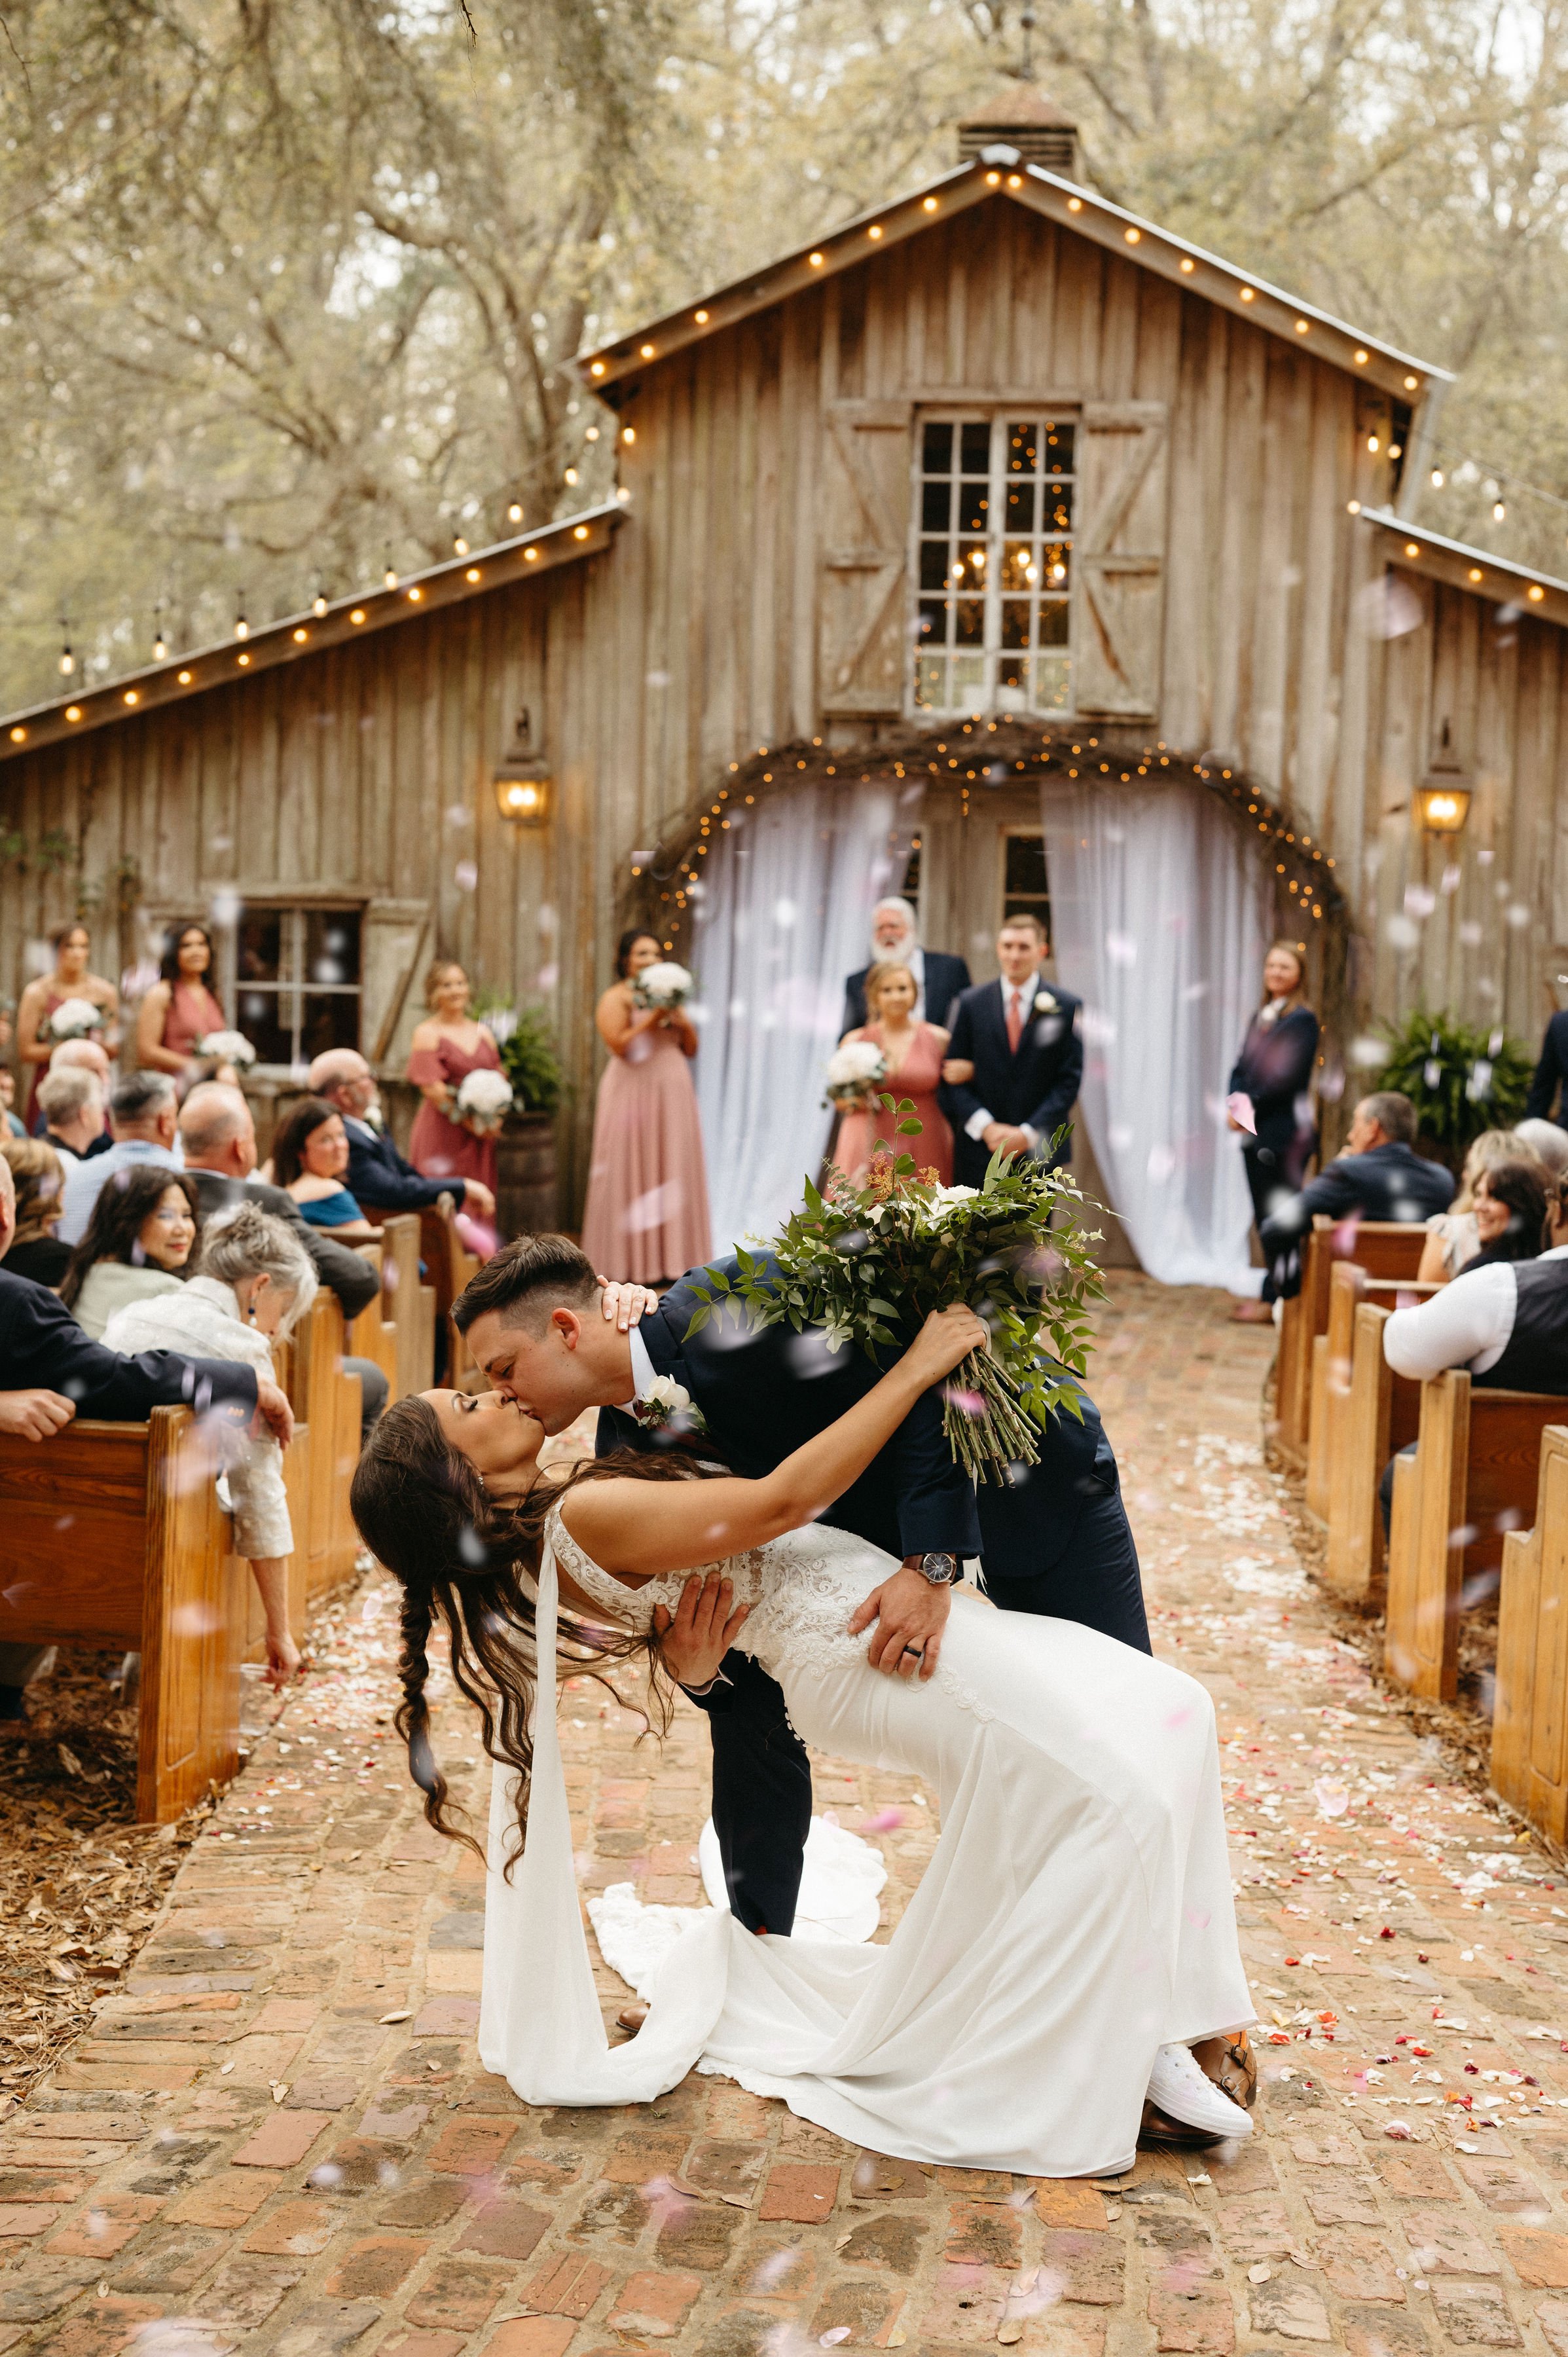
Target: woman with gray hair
<point>253,1279</point>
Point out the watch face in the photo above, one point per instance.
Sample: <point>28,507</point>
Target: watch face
<point>940,1568</point>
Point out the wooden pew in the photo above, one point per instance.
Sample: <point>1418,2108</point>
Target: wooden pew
<point>111,1535</point>
<point>1529,1722</point>
<point>410,1302</point>
<point>1478,1458</point>
<point>1330,1437</point>
<point>450,1262</point>
<point>330,1402</point>
<point>373,1333</point>
<point>1381,1417</point>
<point>1386,1249</point>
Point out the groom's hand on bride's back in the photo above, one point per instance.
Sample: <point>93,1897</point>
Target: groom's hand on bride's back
<point>911,1617</point>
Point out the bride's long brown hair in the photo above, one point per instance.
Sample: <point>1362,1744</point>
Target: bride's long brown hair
<point>423,1511</point>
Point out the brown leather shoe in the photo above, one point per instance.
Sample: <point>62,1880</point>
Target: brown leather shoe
<point>631,2017</point>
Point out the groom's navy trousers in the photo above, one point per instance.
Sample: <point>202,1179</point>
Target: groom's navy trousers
<point>1055,1543</point>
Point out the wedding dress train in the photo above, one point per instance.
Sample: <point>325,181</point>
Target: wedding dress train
<point>1077,1913</point>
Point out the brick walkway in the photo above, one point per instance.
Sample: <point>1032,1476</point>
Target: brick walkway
<point>277,2137</point>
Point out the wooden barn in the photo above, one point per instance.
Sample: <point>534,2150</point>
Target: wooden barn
<point>1003,547</point>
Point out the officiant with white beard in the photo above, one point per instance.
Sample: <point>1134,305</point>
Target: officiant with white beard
<point>895,938</point>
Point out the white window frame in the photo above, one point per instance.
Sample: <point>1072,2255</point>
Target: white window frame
<point>992,699</point>
<point>297,987</point>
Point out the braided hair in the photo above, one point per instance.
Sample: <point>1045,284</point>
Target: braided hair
<point>423,1511</point>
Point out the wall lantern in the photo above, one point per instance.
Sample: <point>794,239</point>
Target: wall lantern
<point>522,780</point>
<point>1442,798</point>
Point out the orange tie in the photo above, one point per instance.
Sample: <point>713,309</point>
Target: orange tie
<point>1014,1019</point>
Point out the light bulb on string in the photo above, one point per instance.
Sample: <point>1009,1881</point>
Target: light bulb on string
<point>241,627</point>
<point>459,547</point>
<point>1437,478</point>
<point>514,512</point>
<point>66,660</point>
<point>1500,510</point>
<point>319,603</point>
<point>160,644</point>
<point>389,573</point>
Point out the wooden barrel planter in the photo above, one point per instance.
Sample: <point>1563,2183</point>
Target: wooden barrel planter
<point>526,1176</point>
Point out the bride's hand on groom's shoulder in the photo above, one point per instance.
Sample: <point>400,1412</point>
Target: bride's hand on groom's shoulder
<point>945,1339</point>
<point>625,1304</point>
<point>692,1643</point>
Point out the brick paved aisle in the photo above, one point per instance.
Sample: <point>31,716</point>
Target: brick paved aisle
<point>277,2137</point>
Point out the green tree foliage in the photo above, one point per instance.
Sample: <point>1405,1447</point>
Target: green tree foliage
<point>289,289</point>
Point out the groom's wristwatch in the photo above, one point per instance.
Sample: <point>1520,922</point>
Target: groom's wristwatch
<point>941,1570</point>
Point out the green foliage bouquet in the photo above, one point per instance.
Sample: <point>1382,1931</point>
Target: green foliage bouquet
<point>868,1263</point>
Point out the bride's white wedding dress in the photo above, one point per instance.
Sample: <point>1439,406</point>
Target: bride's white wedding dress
<point>1075,1916</point>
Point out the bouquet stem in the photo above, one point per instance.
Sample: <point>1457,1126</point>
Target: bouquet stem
<point>988,1438</point>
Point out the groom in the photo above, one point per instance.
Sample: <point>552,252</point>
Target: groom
<point>1057,1544</point>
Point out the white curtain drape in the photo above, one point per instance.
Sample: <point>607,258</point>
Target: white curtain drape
<point>1160,919</point>
<point>785,915</point>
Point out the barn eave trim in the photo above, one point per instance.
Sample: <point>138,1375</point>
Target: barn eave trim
<point>1475,570</point>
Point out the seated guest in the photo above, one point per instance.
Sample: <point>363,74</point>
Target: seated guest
<point>1016,1059</point>
<point>1378,1176</point>
<point>310,1154</point>
<point>36,1250</point>
<point>252,1280</point>
<point>379,1177</point>
<point>142,1123</point>
<point>1452,1238</point>
<point>138,1243</point>
<point>53,1371</point>
<point>11,1120</point>
<point>1547,1143</point>
<point>218,1134</point>
<point>1506,1320</point>
<point>1510,1211</point>
<point>71,1103</point>
<point>938,978</point>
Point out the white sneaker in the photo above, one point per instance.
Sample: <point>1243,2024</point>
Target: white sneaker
<point>1179,2087</point>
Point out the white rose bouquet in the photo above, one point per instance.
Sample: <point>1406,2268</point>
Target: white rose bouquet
<point>227,1047</point>
<point>74,1018</point>
<point>484,1100</point>
<point>853,1072</point>
<point>665,986</point>
<point>868,1263</point>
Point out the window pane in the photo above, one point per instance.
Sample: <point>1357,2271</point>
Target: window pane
<point>1058,508</point>
<point>1051,676</point>
<point>931,683</point>
<point>972,504</point>
<point>968,689</point>
<point>1015,621</point>
<point>1058,459</point>
<point>969,615</point>
<point>938,455</point>
<point>1053,630</point>
<point>1020,514</point>
<point>259,945</point>
<point>933,565</point>
<point>936,507</point>
<point>1022,449</point>
<point>331,1020</point>
<point>259,1019</point>
<point>1055,569</point>
<point>332,945</point>
<point>1026,863</point>
<point>933,622</point>
<point>1018,566</point>
<point>976,447</point>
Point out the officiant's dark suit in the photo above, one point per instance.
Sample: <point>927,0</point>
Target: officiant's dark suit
<point>1034,1085</point>
<point>1056,1544</point>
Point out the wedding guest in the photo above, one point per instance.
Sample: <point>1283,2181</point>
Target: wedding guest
<point>379,1177</point>
<point>647,1211</point>
<point>1511,1212</point>
<point>142,1123</point>
<point>1547,1143</point>
<point>1015,1060</point>
<point>252,1280</point>
<point>71,1105</point>
<point>138,1243</point>
<point>1378,1176</point>
<point>311,1156</point>
<point>1453,1239</point>
<point>70,979</point>
<point>1274,1072</point>
<point>1551,1072</point>
<point>11,1120</point>
<point>445,1047</point>
<point>913,1052</point>
<point>938,978</point>
<point>180,1008</point>
<point>1505,1319</point>
<point>35,1250</point>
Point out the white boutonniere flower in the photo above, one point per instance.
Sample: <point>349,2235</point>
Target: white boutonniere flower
<point>1045,1003</point>
<point>666,1404</point>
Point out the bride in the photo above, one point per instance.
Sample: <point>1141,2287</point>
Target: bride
<point>1074,1933</point>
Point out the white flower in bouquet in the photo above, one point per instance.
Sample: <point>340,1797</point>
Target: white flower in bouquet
<point>853,1072</point>
<point>484,1099</point>
<point>227,1047</point>
<point>666,985</point>
<point>945,1201</point>
<point>664,1403</point>
<point>74,1018</point>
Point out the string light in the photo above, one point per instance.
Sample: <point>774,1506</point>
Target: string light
<point>571,474</point>
<point>160,644</point>
<point>66,660</point>
<point>459,547</point>
<point>390,575</point>
<point>1500,510</point>
<point>241,627</point>
<point>1437,478</point>
<point>514,512</point>
<point>318,604</point>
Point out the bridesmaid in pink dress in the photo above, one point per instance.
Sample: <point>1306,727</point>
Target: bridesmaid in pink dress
<point>913,1053</point>
<point>445,1050</point>
<point>647,1213</point>
<point>180,1008</point>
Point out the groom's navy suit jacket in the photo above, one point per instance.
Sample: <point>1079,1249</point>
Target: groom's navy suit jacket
<point>1034,1083</point>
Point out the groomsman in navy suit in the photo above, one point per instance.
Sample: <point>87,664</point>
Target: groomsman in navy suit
<point>1020,1035</point>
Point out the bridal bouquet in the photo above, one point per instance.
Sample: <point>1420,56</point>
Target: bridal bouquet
<point>668,985</point>
<point>484,1100</point>
<point>868,1263</point>
<point>74,1018</point>
<point>227,1047</point>
<point>852,1074</point>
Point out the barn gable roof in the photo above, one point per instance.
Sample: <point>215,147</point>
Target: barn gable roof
<point>78,711</point>
<point>999,174</point>
<point>1475,570</point>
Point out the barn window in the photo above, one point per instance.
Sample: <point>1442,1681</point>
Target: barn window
<point>995,566</point>
<point>296,976</point>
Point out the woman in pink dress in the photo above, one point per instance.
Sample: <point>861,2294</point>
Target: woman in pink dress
<point>913,1053</point>
<point>445,1047</point>
<point>70,979</point>
<point>180,1008</point>
<point>647,1213</point>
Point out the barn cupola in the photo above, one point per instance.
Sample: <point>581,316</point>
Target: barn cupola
<point>1023,118</point>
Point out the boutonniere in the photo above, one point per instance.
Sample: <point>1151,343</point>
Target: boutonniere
<point>1045,1003</point>
<point>666,1405</point>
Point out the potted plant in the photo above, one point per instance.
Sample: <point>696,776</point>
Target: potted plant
<point>1461,1078</point>
<point>526,1160</point>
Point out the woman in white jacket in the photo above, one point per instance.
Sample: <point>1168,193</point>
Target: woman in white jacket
<point>253,1279</point>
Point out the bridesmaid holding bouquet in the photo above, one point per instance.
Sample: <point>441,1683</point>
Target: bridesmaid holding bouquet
<point>913,1054</point>
<point>647,1213</point>
<point>447,1143</point>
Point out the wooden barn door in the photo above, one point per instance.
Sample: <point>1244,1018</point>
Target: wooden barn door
<point>1119,560</point>
<point>863,647</point>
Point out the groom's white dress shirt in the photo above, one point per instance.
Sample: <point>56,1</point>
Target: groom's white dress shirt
<point>642,1371</point>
